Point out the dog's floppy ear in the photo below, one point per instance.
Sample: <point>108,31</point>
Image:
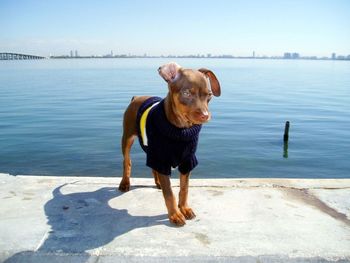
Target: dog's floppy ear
<point>214,83</point>
<point>169,72</point>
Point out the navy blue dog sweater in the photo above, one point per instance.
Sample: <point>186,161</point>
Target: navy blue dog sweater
<point>166,145</point>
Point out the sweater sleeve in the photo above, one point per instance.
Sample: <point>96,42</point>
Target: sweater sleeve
<point>189,164</point>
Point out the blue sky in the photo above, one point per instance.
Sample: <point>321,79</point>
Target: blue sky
<point>155,27</point>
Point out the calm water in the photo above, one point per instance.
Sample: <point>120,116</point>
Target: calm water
<point>63,117</point>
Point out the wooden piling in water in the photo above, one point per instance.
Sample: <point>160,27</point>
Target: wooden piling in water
<point>286,132</point>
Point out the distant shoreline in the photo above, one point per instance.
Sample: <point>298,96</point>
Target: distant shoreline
<point>286,56</point>
<point>199,57</point>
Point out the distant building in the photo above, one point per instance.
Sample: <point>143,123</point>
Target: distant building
<point>253,54</point>
<point>334,56</point>
<point>71,53</point>
<point>76,53</point>
<point>295,56</point>
<point>208,55</point>
<point>287,55</point>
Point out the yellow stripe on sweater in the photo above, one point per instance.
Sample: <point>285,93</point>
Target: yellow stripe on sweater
<point>143,122</point>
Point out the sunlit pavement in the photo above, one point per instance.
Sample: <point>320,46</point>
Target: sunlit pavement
<point>86,219</point>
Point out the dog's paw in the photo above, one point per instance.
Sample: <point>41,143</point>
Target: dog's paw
<point>124,186</point>
<point>187,212</point>
<point>177,218</point>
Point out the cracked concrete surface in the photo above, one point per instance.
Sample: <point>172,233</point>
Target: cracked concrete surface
<point>80,219</point>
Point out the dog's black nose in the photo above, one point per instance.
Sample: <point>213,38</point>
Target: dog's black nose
<point>159,69</point>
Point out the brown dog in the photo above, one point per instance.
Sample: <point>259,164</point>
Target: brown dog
<point>168,132</point>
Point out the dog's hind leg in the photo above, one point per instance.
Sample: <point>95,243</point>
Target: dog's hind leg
<point>127,142</point>
<point>129,134</point>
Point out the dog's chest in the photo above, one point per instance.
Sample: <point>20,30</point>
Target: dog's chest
<point>158,137</point>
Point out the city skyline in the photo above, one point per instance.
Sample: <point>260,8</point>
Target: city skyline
<point>270,28</point>
<point>75,54</point>
<point>285,55</point>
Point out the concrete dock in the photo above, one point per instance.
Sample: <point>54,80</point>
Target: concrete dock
<point>86,219</point>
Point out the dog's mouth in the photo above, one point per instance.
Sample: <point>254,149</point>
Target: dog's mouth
<point>197,118</point>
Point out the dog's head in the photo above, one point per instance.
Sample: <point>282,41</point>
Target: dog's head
<point>190,91</point>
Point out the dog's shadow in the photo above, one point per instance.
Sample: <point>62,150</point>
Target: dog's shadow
<point>84,221</point>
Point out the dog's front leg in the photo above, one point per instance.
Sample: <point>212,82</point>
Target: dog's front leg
<point>183,205</point>
<point>175,216</point>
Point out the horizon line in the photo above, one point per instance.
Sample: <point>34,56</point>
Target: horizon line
<point>286,55</point>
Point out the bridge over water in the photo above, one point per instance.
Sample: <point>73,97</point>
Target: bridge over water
<point>16,56</point>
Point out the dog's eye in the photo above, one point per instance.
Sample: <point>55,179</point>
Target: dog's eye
<point>186,94</point>
<point>209,96</point>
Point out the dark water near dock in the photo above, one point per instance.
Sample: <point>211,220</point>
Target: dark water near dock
<point>63,117</point>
